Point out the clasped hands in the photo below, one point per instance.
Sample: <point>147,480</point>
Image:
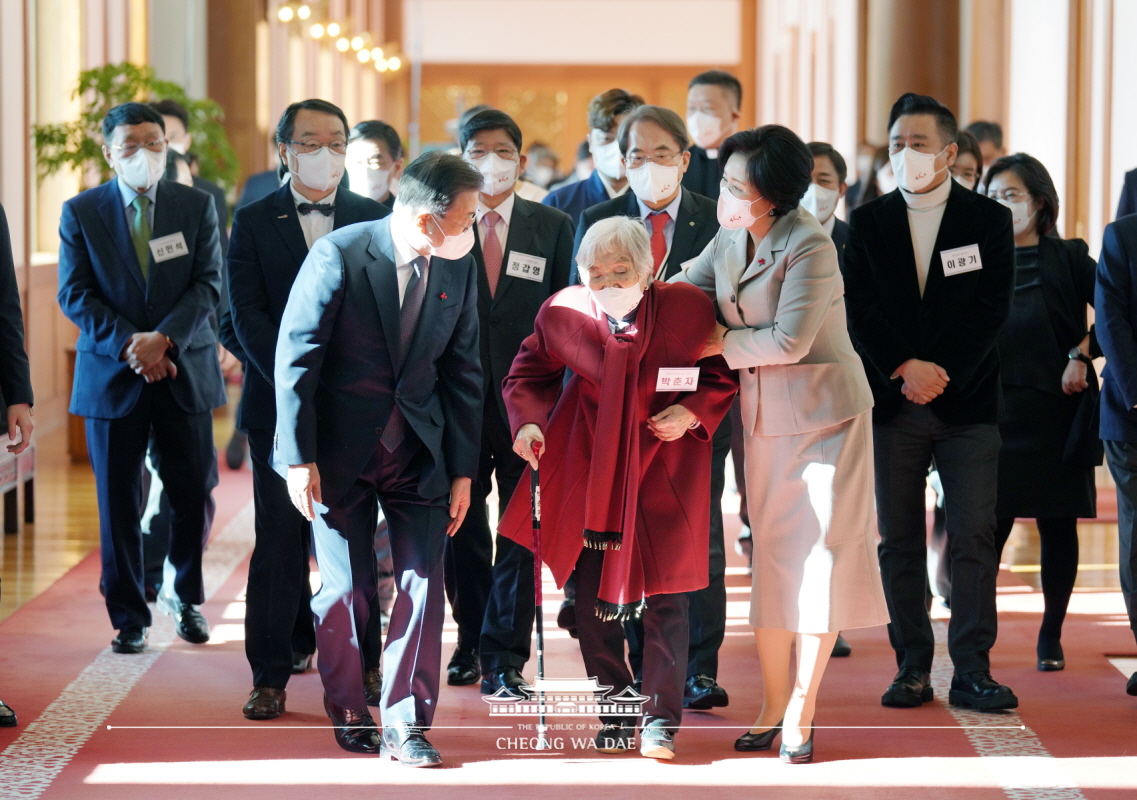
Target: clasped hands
<point>146,355</point>
<point>924,381</point>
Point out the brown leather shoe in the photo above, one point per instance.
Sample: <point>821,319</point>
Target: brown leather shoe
<point>264,703</point>
<point>373,685</point>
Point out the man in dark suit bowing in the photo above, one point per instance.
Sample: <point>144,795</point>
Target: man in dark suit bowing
<point>654,144</point>
<point>929,274</point>
<point>1116,308</point>
<point>713,102</point>
<point>271,239</point>
<point>140,274</point>
<point>524,254</point>
<point>379,399</point>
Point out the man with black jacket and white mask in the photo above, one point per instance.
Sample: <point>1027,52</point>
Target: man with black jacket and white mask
<point>929,275</point>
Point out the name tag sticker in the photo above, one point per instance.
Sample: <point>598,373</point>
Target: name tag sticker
<point>172,246</point>
<point>525,266</point>
<point>677,379</point>
<point>961,259</point>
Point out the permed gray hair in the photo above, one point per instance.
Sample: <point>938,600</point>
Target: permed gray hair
<point>619,239</point>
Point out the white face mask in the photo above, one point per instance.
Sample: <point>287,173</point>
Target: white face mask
<point>885,181</point>
<point>179,147</point>
<point>914,170</point>
<point>654,183</point>
<point>320,171</point>
<point>453,247</point>
<point>373,183</point>
<point>542,175</point>
<point>617,302</point>
<point>820,201</point>
<point>498,174</point>
<point>1021,215</point>
<point>706,129</point>
<point>734,212</point>
<point>143,169</point>
<point>966,184</point>
<point>608,160</point>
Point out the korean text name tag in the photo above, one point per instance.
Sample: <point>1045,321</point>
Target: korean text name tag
<point>961,259</point>
<point>167,247</point>
<point>677,379</point>
<point>525,266</point>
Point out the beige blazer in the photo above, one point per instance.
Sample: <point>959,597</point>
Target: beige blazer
<point>788,338</point>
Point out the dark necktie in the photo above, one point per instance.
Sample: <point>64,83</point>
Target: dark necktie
<point>658,220</point>
<point>327,209</point>
<point>396,429</point>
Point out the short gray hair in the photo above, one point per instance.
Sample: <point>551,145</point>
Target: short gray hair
<point>617,238</point>
<point>663,117</point>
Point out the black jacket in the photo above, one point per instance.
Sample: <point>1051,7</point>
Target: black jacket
<point>265,254</point>
<point>956,322</point>
<point>703,174</point>
<point>15,375</point>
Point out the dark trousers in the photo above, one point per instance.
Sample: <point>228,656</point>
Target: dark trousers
<point>1122,460</point>
<point>507,625</point>
<point>469,552</point>
<point>344,536</point>
<point>967,457</point>
<point>706,607</point>
<point>117,449</point>
<point>664,650</point>
<point>278,613</point>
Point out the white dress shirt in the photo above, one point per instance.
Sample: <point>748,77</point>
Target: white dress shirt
<point>925,212</point>
<point>505,211</point>
<point>830,224</point>
<point>606,183</point>
<point>314,224</point>
<point>404,256</point>
<point>672,211</point>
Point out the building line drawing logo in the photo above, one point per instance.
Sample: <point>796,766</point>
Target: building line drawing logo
<point>566,698</point>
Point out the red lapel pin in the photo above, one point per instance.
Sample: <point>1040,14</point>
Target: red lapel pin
<point>761,262</point>
<point>442,296</point>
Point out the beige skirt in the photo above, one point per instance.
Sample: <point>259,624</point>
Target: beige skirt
<point>810,498</point>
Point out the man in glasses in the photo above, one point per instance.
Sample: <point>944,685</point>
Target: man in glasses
<point>654,143</point>
<point>140,274</point>
<point>379,401</point>
<point>271,239</point>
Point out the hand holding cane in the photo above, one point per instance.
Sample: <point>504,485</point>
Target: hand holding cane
<point>538,598</point>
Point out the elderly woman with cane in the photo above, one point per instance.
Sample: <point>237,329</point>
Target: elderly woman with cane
<point>625,459</point>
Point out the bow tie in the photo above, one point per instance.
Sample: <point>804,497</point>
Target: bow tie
<point>327,209</point>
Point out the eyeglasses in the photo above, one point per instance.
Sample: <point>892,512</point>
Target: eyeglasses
<point>375,162</point>
<point>338,147</point>
<point>501,152</point>
<point>637,161</point>
<point>1010,195</point>
<point>128,150</point>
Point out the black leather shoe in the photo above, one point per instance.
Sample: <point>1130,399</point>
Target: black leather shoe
<point>752,742</point>
<point>236,449</point>
<point>701,692</point>
<point>301,663</point>
<point>7,716</point>
<point>355,731</point>
<point>510,678</point>
<point>1131,686</point>
<point>566,617</point>
<point>911,688</point>
<point>615,738</point>
<point>463,668</point>
<point>1051,658</point>
<point>129,641</point>
<point>841,648</point>
<point>978,690</point>
<point>407,745</point>
<point>373,685</point>
<point>264,703</point>
<point>191,624</point>
<point>802,754</point>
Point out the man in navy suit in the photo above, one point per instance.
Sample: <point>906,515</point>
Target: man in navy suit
<point>379,399</point>
<point>524,253</point>
<point>271,239</point>
<point>608,180</point>
<point>1127,202</point>
<point>1115,303</point>
<point>140,274</point>
<point>713,101</point>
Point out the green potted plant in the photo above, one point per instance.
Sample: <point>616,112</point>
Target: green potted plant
<point>78,144</point>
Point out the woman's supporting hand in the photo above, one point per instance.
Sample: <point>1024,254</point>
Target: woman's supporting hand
<point>527,436</point>
<point>1074,377</point>
<point>671,423</point>
<point>713,347</point>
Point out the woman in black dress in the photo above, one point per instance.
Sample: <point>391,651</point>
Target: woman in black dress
<point>1049,447</point>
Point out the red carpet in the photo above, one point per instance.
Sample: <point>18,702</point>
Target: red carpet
<point>1079,741</point>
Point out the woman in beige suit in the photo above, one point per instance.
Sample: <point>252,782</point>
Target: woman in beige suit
<point>806,408</point>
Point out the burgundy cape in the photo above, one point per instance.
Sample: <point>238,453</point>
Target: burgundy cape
<point>606,480</point>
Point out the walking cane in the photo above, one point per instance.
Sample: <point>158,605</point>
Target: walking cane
<point>538,598</point>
